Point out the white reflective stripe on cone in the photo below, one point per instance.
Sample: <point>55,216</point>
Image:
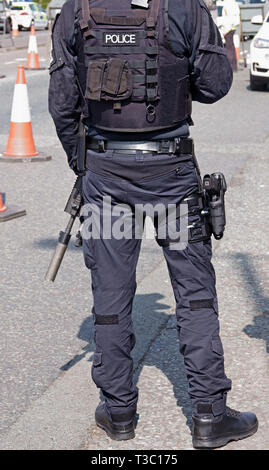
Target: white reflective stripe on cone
<point>32,44</point>
<point>14,23</point>
<point>236,41</point>
<point>20,104</point>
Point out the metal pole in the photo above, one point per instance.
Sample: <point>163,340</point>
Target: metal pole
<point>242,40</point>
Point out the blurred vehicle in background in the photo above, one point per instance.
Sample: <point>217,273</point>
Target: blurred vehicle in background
<point>54,7</point>
<point>29,14</point>
<point>259,55</point>
<point>5,19</point>
<point>256,1</point>
<point>246,2</point>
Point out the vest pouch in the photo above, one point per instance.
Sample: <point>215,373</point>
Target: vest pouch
<point>117,80</point>
<point>174,91</point>
<point>183,97</point>
<point>94,81</point>
<point>109,80</point>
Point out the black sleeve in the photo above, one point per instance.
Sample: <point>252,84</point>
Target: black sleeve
<point>212,74</point>
<point>192,32</point>
<point>64,96</point>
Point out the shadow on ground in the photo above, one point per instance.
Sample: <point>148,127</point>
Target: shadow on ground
<point>50,244</point>
<point>263,88</point>
<point>173,368</point>
<point>252,281</point>
<point>162,351</point>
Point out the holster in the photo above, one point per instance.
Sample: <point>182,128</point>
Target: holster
<point>215,187</point>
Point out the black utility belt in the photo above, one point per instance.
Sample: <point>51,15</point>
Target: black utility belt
<point>175,146</point>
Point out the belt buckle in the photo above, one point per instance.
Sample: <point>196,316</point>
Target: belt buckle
<point>165,146</point>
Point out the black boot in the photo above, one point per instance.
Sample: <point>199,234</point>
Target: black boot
<point>210,432</point>
<point>117,432</point>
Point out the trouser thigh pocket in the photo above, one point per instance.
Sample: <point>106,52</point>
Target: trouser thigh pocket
<point>88,253</point>
<point>98,370</point>
<point>217,346</point>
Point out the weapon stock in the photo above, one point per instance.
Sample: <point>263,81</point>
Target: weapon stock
<point>73,208</point>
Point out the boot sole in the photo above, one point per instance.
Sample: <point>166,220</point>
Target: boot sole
<point>117,436</point>
<point>207,443</point>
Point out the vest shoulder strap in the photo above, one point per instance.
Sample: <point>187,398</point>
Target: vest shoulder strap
<point>151,19</point>
<point>86,14</point>
<point>153,13</point>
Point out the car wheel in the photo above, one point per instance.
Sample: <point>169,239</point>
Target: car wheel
<point>31,24</point>
<point>256,84</point>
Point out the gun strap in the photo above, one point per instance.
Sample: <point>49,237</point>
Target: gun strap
<point>198,171</point>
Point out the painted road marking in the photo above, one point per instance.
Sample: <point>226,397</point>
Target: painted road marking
<point>22,59</point>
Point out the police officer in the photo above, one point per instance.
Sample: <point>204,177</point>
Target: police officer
<point>228,24</point>
<point>131,68</point>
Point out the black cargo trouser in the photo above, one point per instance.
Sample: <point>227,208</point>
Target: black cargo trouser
<point>149,179</point>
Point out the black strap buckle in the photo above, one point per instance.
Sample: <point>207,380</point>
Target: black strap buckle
<point>186,146</point>
<point>170,146</point>
<point>176,146</point>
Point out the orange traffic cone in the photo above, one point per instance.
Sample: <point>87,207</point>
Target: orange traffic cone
<point>15,29</point>
<point>2,205</point>
<point>32,56</point>
<point>20,142</point>
<point>20,146</point>
<point>7,213</point>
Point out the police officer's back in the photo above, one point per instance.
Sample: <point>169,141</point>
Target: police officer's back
<point>131,69</point>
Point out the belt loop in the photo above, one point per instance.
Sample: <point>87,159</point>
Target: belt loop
<point>101,146</point>
<point>139,156</point>
<point>173,146</point>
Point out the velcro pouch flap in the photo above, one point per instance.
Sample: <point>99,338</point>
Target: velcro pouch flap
<point>97,359</point>
<point>116,81</point>
<point>217,346</point>
<point>94,80</point>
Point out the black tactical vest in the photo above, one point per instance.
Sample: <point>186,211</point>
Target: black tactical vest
<point>135,83</point>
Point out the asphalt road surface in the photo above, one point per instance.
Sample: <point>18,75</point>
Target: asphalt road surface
<point>46,329</point>
<point>13,52</point>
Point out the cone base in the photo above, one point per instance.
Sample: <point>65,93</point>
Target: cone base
<point>7,154</point>
<point>20,140</point>
<point>39,157</point>
<point>12,212</point>
<point>35,68</point>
